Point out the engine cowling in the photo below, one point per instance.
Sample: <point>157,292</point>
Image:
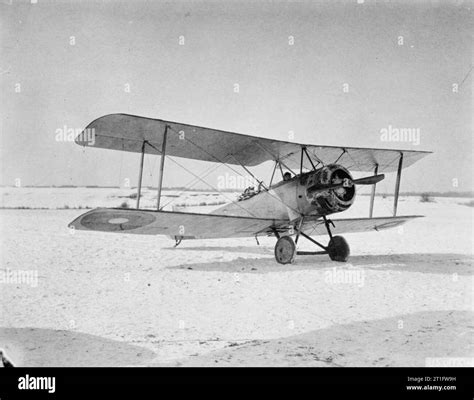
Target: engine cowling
<point>331,200</point>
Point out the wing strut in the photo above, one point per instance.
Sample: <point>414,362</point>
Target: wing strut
<point>140,174</point>
<point>372,195</point>
<point>301,162</point>
<point>303,152</point>
<point>273,174</point>
<point>281,169</point>
<point>162,165</point>
<point>275,158</point>
<point>309,158</point>
<point>397,184</point>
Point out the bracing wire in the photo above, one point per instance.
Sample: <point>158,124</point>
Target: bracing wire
<point>228,166</point>
<point>206,183</point>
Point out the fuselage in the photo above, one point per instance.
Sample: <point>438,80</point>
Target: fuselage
<point>301,195</point>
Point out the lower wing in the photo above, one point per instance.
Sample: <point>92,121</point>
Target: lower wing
<point>350,225</point>
<point>186,225</point>
<point>211,226</point>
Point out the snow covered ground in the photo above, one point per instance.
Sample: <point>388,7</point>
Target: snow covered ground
<point>79,197</point>
<point>405,298</point>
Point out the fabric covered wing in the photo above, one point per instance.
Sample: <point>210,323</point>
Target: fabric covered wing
<point>314,225</point>
<point>351,225</point>
<point>188,225</point>
<point>129,132</point>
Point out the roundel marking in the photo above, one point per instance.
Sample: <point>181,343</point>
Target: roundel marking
<point>117,220</point>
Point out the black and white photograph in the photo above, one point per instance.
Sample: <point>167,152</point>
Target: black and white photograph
<point>236,184</point>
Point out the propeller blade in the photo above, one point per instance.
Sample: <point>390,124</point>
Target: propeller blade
<point>369,180</point>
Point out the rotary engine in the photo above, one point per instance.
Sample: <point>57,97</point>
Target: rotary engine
<point>330,200</point>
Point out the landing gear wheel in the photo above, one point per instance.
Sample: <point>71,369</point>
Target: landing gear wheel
<point>285,250</point>
<point>338,249</point>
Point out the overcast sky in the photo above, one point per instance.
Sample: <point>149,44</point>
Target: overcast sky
<point>331,73</point>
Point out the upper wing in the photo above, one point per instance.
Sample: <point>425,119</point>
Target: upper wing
<point>188,225</point>
<point>128,132</point>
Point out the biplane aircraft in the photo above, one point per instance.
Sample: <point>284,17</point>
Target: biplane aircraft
<point>317,183</point>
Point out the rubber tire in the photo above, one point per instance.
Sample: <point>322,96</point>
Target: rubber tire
<point>285,250</point>
<point>338,249</point>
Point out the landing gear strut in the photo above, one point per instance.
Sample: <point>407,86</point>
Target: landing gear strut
<point>285,248</point>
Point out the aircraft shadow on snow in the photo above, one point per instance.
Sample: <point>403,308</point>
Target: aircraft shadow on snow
<point>431,263</point>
